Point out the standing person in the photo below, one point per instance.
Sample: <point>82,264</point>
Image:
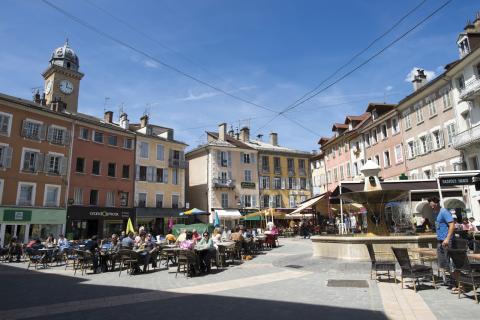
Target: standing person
<point>445,227</point>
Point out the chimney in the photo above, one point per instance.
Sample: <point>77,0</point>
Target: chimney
<point>222,131</point>
<point>124,124</point>
<point>58,105</point>
<point>36,96</point>
<point>419,79</point>
<point>144,121</point>
<point>274,139</point>
<point>108,116</point>
<point>245,134</point>
<point>43,101</point>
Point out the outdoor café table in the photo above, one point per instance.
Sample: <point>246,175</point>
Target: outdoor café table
<point>47,255</point>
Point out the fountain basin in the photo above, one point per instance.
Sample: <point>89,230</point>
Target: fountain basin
<point>353,248</point>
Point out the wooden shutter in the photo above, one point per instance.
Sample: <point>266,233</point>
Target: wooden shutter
<point>63,165</point>
<point>441,140</point>
<point>268,182</point>
<point>270,201</point>
<point>43,132</point>
<point>24,128</point>
<point>38,162</point>
<point>165,175</point>
<point>219,158</point>
<point>229,159</point>
<point>283,182</point>
<point>137,172</point>
<point>242,157</point>
<point>252,158</point>
<point>7,157</point>
<point>46,162</point>
<point>429,142</point>
<point>66,137</point>
<point>254,201</point>
<point>50,134</point>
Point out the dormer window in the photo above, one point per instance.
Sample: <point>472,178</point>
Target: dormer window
<point>374,114</point>
<point>350,126</point>
<point>464,46</point>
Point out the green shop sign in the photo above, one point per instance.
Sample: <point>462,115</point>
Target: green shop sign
<point>248,185</point>
<point>17,215</point>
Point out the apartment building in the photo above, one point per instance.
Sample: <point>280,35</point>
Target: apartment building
<point>159,175</point>
<point>35,149</point>
<point>284,174</point>
<point>319,174</point>
<point>223,176</point>
<point>383,140</point>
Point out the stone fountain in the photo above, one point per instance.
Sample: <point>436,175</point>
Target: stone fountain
<point>374,199</point>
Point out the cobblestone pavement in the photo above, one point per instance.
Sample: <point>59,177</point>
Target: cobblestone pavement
<point>283,283</point>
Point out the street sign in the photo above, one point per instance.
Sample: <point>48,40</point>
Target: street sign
<point>456,181</point>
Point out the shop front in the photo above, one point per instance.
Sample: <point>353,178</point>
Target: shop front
<point>30,223</point>
<point>157,220</point>
<point>85,222</point>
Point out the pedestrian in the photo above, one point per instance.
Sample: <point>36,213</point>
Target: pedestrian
<point>445,227</point>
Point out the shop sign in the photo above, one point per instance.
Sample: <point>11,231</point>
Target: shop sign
<point>109,214</point>
<point>248,185</point>
<point>17,215</point>
<point>456,181</point>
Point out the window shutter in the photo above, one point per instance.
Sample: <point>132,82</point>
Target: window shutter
<point>270,201</point>
<point>416,147</point>
<point>229,161</point>
<point>182,155</point>
<point>254,201</point>
<point>7,157</point>
<point>150,174</point>
<point>219,158</point>
<point>170,154</point>
<point>50,134</point>
<point>283,182</point>
<point>63,166</point>
<point>24,128</point>
<point>66,137</point>
<point>308,184</point>
<point>137,172</point>
<point>242,155</point>
<point>165,175</point>
<point>229,175</point>
<point>429,143</point>
<point>252,157</point>
<point>43,132</point>
<point>38,162</point>
<point>441,141</point>
<point>46,163</point>
<point>242,200</point>
<point>298,186</point>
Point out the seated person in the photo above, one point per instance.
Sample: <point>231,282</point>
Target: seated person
<point>170,238</point>
<point>206,251</point>
<point>63,242</point>
<point>128,242</point>
<point>115,246</point>
<point>189,242</point>
<point>50,242</point>
<point>14,250</point>
<point>237,235</point>
<point>195,235</point>
<point>467,225</point>
<point>182,236</point>
<point>92,246</point>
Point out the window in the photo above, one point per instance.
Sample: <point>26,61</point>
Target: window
<point>265,201</point>
<point>84,134</point>
<point>419,113</point>
<point>291,201</point>
<point>128,143</point>
<point>290,166</point>
<point>329,176</point>
<point>277,183</point>
<point>98,136</point>
<point>291,183</point>
<point>347,168</point>
<point>143,150</point>
<point>93,197</point>
<point>460,82</point>
<point>451,132</point>
<point>411,150</point>
<point>335,174</point>
<point>446,99</point>
<point>33,130</point>
<point>80,166</point>
<point>175,201</point>
<point>5,123</point>
<point>111,170</point>
<point>224,200</point>
<point>265,164</point>
<point>123,199</point>
<point>110,202</point>
<point>374,136</point>
<point>437,139</point>
<point>245,157</point>
<point>301,165</point>
<point>162,175</point>
<point>383,128</point>
<point>265,182</point>
<point>473,163</point>
<point>427,174</point>
<point>57,135</point>
<point>223,158</point>
<point>32,161</point>
<point>160,152</point>
<point>125,171</point>
<point>247,201</point>
<point>248,176</point>
<point>386,159</point>
<point>277,201</point>
<point>398,153</point>
<point>78,196</point>
<point>395,126</point>
<point>142,200</point>
<point>5,156</point>
<point>423,145</point>
<point>26,194</point>
<point>175,176</point>
<point>303,183</point>
<point>355,168</point>
<point>96,167</point>
<point>142,173</point>
<point>55,164</point>
<point>366,137</point>
<point>339,150</point>
<point>276,165</point>
<point>159,200</point>
<point>408,119</point>
<point>112,140</point>
<point>341,173</point>
<point>377,159</point>
<point>432,110</point>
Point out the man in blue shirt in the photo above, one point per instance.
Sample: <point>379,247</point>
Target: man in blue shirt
<point>445,227</point>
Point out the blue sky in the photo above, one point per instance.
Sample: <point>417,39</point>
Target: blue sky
<point>268,52</point>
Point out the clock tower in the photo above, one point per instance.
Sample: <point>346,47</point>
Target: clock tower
<point>62,78</point>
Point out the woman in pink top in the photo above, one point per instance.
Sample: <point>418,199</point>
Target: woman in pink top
<point>188,243</point>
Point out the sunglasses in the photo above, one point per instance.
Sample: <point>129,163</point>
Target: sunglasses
<point>205,235</point>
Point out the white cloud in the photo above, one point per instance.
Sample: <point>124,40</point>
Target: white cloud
<point>389,88</point>
<point>429,73</point>
<point>151,64</point>
<point>201,96</point>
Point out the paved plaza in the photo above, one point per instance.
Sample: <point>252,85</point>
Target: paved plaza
<point>283,283</point>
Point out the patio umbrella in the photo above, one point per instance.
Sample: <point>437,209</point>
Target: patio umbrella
<point>193,211</point>
<point>216,222</point>
<point>129,226</point>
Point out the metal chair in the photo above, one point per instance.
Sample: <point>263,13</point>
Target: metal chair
<point>415,272</point>
<point>186,259</point>
<point>83,262</point>
<point>383,266</point>
<point>465,275</point>
<point>128,258</point>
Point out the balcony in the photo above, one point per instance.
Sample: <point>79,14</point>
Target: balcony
<point>471,90</point>
<point>223,183</point>
<point>291,172</point>
<point>177,163</point>
<point>277,170</point>
<point>467,137</point>
<point>265,170</point>
<point>302,172</point>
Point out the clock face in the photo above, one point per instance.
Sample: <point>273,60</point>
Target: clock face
<point>48,86</point>
<point>66,86</point>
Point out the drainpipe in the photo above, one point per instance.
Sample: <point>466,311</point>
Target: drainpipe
<point>439,190</point>
<point>341,210</point>
<point>69,169</point>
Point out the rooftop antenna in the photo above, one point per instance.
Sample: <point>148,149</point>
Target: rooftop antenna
<point>105,102</point>
<point>120,109</point>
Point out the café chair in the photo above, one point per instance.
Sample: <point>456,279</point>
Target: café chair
<point>415,271</point>
<point>382,265</point>
<point>466,275</point>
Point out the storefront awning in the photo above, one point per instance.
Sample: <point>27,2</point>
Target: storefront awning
<point>228,214</point>
<point>308,204</point>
